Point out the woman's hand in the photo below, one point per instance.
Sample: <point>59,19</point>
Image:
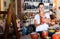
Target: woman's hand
<point>42,20</point>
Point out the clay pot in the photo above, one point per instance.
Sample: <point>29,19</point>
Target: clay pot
<point>57,30</point>
<point>44,34</point>
<point>56,36</point>
<point>42,20</point>
<point>34,35</point>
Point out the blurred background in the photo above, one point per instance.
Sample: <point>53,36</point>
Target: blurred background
<point>25,10</point>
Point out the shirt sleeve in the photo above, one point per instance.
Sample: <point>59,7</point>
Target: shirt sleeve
<point>47,15</point>
<point>37,18</point>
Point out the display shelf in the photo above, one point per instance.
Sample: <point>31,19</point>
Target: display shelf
<point>32,5</point>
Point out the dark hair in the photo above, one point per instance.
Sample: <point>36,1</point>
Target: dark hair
<point>40,4</point>
<point>59,7</point>
<point>51,10</point>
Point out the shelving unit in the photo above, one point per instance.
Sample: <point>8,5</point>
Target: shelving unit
<point>31,5</point>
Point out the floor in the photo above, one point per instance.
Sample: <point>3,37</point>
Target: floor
<point>29,37</point>
<point>26,37</point>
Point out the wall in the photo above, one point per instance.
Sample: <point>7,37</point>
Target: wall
<point>58,4</point>
<point>20,9</point>
<point>7,4</point>
<point>0,5</point>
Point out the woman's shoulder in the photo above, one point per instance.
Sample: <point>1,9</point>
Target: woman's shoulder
<point>37,15</point>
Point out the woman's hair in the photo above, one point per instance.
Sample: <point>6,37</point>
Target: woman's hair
<point>51,10</point>
<point>59,7</point>
<point>40,4</point>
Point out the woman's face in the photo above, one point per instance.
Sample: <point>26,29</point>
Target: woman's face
<point>41,8</point>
